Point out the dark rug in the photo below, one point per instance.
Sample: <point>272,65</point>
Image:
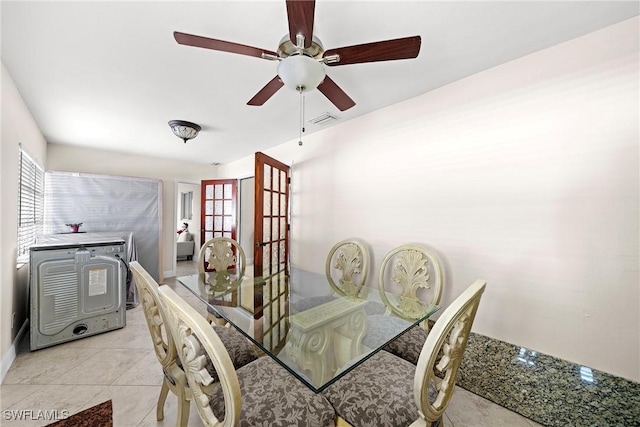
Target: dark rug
<point>97,416</point>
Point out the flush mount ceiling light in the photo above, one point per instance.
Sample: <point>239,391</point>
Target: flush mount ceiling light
<point>184,130</point>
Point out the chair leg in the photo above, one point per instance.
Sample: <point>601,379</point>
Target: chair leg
<point>425,325</point>
<point>215,320</point>
<point>183,410</point>
<point>163,397</point>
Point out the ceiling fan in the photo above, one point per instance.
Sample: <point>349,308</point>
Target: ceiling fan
<point>302,57</point>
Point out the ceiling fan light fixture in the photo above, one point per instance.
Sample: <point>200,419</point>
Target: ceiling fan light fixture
<point>184,130</point>
<point>301,73</point>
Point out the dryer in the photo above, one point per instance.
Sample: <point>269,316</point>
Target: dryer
<point>77,287</point>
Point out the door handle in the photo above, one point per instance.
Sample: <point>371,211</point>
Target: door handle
<point>262,244</point>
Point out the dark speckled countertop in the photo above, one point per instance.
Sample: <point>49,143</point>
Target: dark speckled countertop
<point>548,390</point>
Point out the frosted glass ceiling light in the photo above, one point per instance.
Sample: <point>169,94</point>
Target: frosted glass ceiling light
<point>301,73</point>
<point>184,130</point>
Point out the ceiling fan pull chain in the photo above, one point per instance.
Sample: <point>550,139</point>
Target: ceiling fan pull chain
<point>301,115</point>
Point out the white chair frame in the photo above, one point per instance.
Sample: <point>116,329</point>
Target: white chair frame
<point>182,319</point>
<point>412,267</point>
<point>449,335</point>
<point>219,254</point>
<point>351,259</point>
<point>165,349</point>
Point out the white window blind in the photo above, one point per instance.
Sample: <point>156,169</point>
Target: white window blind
<point>30,204</point>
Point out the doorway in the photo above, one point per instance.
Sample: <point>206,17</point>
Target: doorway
<point>188,212</point>
<point>246,210</point>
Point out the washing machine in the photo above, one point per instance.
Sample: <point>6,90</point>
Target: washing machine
<point>77,287</point>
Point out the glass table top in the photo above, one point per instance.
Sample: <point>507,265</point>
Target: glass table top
<point>314,334</point>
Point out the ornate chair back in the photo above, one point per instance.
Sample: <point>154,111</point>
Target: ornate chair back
<point>165,349</point>
<point>195,340</point>
<point>412,273</point>
<point>224,256</point>
<point>148,293</point>
<point>443,351</point>
<point>347,267</point>
<point>224,262</point>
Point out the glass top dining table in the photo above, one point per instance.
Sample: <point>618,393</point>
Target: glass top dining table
<point>316,335</point>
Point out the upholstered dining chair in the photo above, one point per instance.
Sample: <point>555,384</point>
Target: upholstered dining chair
<point>391,392</point>
<point>261,393</point>
<point>163,344</point>
<point>412,273</point>
<point>225,262</point>
<point>346,270</point>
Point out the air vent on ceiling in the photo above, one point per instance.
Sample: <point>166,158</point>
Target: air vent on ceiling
<point>323,119</point>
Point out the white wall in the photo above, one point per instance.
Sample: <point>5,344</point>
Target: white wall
<point>526,175</point>
<point>18,127</point>
<point>75,159</point>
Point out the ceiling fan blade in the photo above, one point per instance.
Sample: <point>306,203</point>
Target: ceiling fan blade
<point>224,46</point>
<point>300,14</point>
<point>387,50</point>
<point>266,92</point>
<point>332,91</point>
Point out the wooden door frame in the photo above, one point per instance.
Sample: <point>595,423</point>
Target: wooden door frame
<point>203,206</point>
<point>262,159</point>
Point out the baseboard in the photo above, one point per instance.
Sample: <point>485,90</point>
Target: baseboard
<point>546,389</point>
<point>170,273</point>
<point>7,359</point>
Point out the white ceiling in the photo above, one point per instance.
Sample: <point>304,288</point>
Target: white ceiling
<point>111,75</point>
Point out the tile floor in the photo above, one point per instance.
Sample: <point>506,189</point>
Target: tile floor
<point>120,365</point>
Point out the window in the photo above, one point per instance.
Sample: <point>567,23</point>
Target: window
<point>30,204</point>
<point>187,205</point>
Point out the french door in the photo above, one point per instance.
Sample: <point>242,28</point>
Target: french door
<point>218,213</point>
<point>271,226</point>
<point>271,249</point>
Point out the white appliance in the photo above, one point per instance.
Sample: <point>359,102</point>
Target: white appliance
<point>77,287</point>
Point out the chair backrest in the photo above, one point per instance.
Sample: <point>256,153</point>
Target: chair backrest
<point>414,274</point>
<point>443,351</point>
<point>148,294</point>
<point>347,267</point>
<point>223,255</point>
<point>195,341</point>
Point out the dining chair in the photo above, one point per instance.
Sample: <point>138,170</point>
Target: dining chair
<point>165,349</point>
<point>223,255</point>
<point>346,270</point>
<point>225,262</point>
<point>261,393</point>
<point>387,390</point>
<point>409,274</point>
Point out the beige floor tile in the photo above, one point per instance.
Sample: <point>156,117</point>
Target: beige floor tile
<point>147,371</point>
<point>171,414</point>
<point>469,410</point>
<point>131,404</point>
<point>98,341</point>
<point>135,316</point>
<point>131,336</point>
<point>104,367</point>
<point>135,337</point>
<point>46,402</point>
<point>36,367</point>
<point>10,394</point>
